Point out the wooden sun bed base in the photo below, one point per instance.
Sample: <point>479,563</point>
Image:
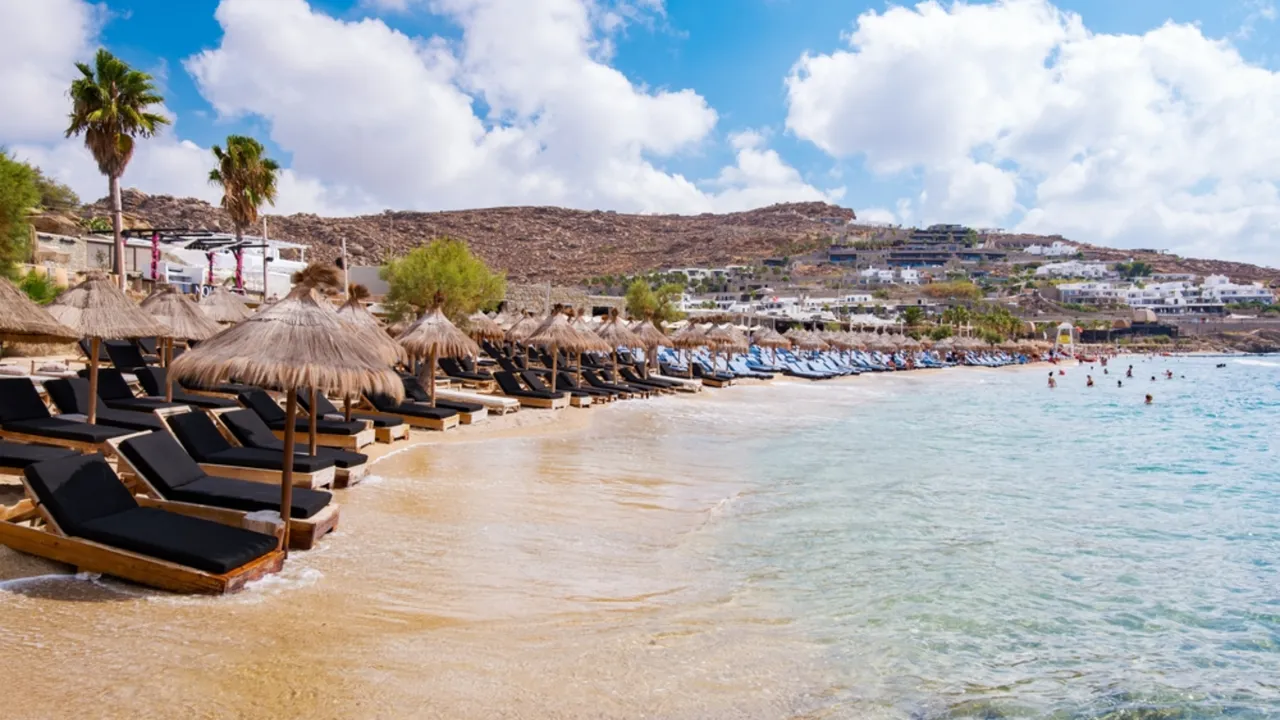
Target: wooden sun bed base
<point>421,423</point>
<point>89,556</point>
<point>303,532</point>
<point>346,477</point>
<point>314,481</point>
<point>472,418</point>
<point>542,403</point>
<point>581,401</point>
<point>342,442</point>
<point>11,471</point>
<point>387,435</point>
<point>713,382</point>
<point>682,384</point>
<point>84,447</point>
<point>48,541</point>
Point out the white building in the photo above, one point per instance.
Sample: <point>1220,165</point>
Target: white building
<point>1073,268</point>
<point>1057,249</point>
<point>909,276</point>
<point>1168,298</point>
<point>1220,288</point>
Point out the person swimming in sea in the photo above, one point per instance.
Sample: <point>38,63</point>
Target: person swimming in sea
<point>1089,379</point>
<point>1153,378</point>
<point>1168,374</point>
<point>1149,399</point>
<point>1061,372</point>
<point>1119,383</point>
<point>1105,371</point>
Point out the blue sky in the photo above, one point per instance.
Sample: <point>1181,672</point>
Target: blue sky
<point>907,113</point>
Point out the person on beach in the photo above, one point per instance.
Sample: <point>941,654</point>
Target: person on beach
<point>1089,382</point>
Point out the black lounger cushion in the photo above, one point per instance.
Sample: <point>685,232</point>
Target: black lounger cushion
<point>252,432</point>
<point>20,401</point>
<point>153,379</point>
<point>510,386</point>
<point>160,458</point>
<point>325,408</point>
<point>115,392</point>
<point>17,455</point>
<point>78,489</point>
<point>196,543</point>
<point>250,496</point>
<point>271,413</point>
<point>60,429</point>
<point>412,409</point>
<point>267,460</point>
<point>459,406</point>
<point>71,395</point>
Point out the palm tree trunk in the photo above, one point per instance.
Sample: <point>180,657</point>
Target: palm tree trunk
<point>117,227</point>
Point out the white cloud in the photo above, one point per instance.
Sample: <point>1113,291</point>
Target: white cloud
<point>1161,139</point>
<point>761,177</point>
<point>37,64</point>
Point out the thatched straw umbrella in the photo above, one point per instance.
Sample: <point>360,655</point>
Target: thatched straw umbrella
<point>689,337</point>
<point>586,328</point>
<point>653,338</point>
<point>21,320</point>
<point>185,320</point>
<point>519,332</point>
<point>224,306</point>
<point>772,339</point>
<point>300,342</point>
<point>433,337</point>
<point>615,334</point>
<point>96,309</point>
<point>555,334</point>
<point>358,318</point>
<point>482,327</point>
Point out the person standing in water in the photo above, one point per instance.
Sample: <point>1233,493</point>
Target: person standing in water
<point>1119,383</point>
<point>1052,383</point>
<point>1089,378</point>
<point>1129,373</point>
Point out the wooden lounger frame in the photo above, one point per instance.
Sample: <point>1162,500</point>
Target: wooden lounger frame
<point>715,382</point>
<point>341,442</point>
<point>313,481</point>
<point>439,424</point>
<point>44,538</point>
<point>342,477</point>
<point>541,403</point>
<point>303,532</point>
<point>581,401</point>
<point>82,446</point>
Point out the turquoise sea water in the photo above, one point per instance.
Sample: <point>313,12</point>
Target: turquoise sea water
<point>981,546</point>
<point>965,543</point>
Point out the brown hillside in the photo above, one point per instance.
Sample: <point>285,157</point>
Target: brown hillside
<point>530,243</point>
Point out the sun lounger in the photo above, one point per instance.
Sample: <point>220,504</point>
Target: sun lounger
<point>385,429</point>
<point>594,380</point>
<point>116,393</point>
<point>15,457</point>
<point>330,433</point>
<point>153,379</point>
<point>493,404</point>
<point>217,456</point>
<point>249,430</point>
<point>577,398</point>
<point>566,381</point>
<point>416,414</point>
<point>24,418</point>
<point>629,376</point>
<point>124,355</point>
<point>71,397</point>
<point>165,471</point>
<point>454,369</point>
<point>511,387</point>
<point>469,412</point>
<point>94,524</point>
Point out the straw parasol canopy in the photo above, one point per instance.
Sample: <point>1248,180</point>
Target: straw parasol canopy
<point>482,327</point>
<point>727,337</point>
<point>183,317</point>
<point>689,337</point>
<point>433,336</point>
<point>224,306</point>
<point>770,338</point>
<point>359,320</point>
<point>616,334</point>
<point>521,329</point>
<point>98,310</point>
<point>650,335</point>
<point>557,334</point>
<point>21,320</point>
<point>300,342</point>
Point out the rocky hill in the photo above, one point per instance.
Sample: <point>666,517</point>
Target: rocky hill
<point>530,243</point>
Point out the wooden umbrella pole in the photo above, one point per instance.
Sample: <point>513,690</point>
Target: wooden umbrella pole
<point>431,380</point>
<point>311,424</point>
<point>555,357</point>
<point>346,407</point>
<point>94,344</point>
<point>168,378</point>
<point>579,371</point>
<point>286,473</point>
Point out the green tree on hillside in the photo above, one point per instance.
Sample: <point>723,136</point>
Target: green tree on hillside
<point>19,194</point>
<point>55,195</point>
<point>110,106</point>
<point>913,315</point>
<point>444,273</point>
<point>643,301</point>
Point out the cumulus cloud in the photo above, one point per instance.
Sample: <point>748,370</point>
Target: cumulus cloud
<point>1014,112</point>
<point>523,109</point>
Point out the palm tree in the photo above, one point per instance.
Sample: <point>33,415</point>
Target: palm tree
<point>248,179</point>
<point>109,105</point>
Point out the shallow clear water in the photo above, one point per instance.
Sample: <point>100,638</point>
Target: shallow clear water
<point>959,543</point>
